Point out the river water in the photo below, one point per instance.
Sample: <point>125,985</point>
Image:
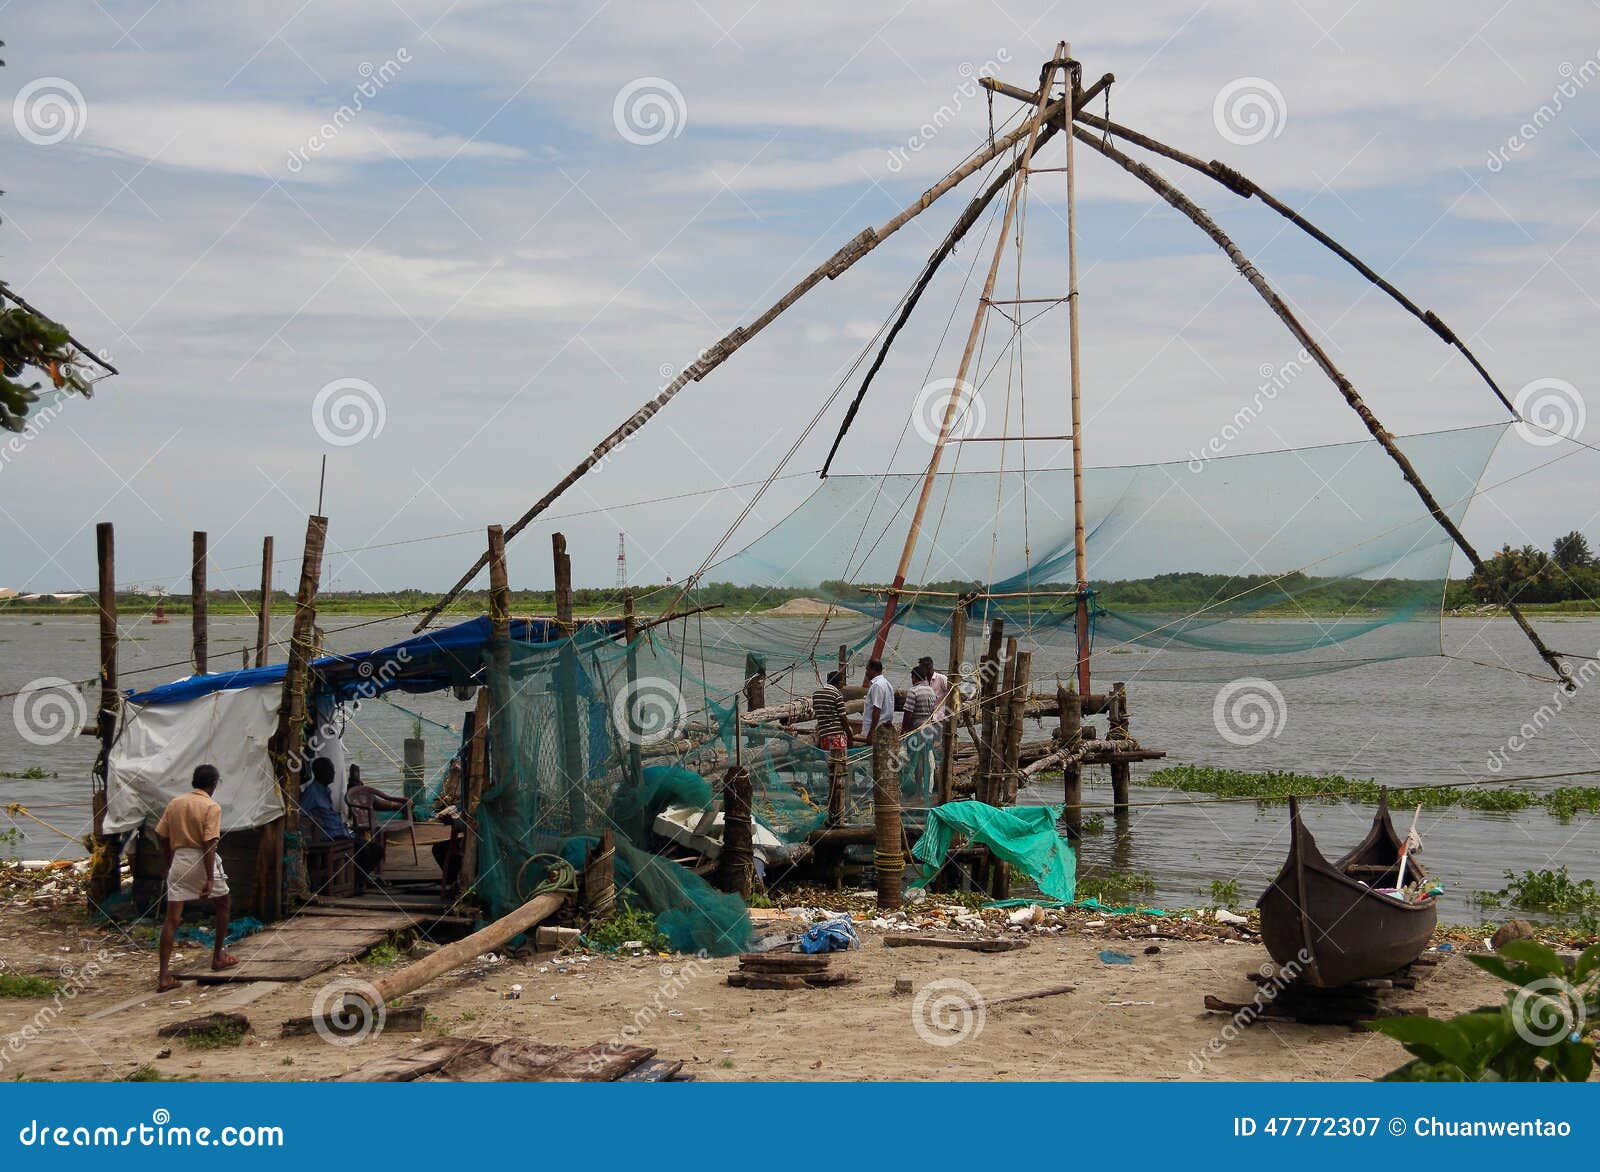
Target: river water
<point>1405,722</point>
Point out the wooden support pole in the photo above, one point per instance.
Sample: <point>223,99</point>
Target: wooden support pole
<point>436,964</point>
<point>567,669</point>
<point>630,632</point>
<point>106,878</point>
<point>264,611</point>
<point>1117,719</point>
<point>600,878</point>
<point>989,686</point>
<point>888,859</point>
<point>197,602</point>
<point>838,785</point>
<point>755,681</point>
<point>288,746</point>
<point>997,730</point>
<point>736,864</point>
<point>473,781</point>
<point>1022,678</point>
<point>952,703</point>
<point>844,657</point>
<point>1069,736</point>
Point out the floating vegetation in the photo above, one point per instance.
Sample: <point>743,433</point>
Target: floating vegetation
<point>1115,887</point>
<point>1274,785</point>
<point>1224,892</point>
<point>1549,891</point>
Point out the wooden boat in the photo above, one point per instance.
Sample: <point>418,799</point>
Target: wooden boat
<point>1328,920</point>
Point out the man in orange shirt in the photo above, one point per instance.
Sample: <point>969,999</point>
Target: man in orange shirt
<point>190,829</point>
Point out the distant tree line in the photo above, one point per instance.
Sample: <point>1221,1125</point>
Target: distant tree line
<point>1566,574</point>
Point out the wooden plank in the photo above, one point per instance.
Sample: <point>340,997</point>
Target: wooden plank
<point>395,1021</point>
<point>236,1023</point>
<point>137,999</point>
<point>244,994</point>
<point>424,1059</point>
<point>1002,944</point>
<point>654,1070</point>
<point>383,903</point>
<point>517,1060</point>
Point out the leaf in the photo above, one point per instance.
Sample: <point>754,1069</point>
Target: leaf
<point>1514,974</point>
<point>1574,1061</point>
<point>1428,1037</point>
<point>1586,964</point>
<point>1533,953</point>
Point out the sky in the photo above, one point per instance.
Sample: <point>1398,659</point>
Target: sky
<point>450,245</point>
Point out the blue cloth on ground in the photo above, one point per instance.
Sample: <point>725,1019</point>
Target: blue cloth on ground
<point>835,935</point>
<point>1112,956</point>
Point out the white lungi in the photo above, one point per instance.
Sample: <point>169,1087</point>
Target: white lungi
<point>188,875</point>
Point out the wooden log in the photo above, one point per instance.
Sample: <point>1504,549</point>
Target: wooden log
<point>1019,697</point>
<point>264,610</point>
<point>487,939</point>
<point>888,861</point>
<point>233,1023</point>
<point>755,681</point>
<point>737,860</point>
<point>952,715</point>
<point>474,780</point>
<point>197,602</point>
<point>405,1020</point>
<point>1031,995</point>
<point>413,1064</point>
<point>106,876</point>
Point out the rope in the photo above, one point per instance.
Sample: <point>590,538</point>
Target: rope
<point>560,875</point>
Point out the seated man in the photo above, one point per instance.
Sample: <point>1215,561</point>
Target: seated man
<point>363,801</point>
<point>316,802</point>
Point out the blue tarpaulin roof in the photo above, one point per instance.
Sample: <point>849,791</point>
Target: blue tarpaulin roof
<point>426,663</point>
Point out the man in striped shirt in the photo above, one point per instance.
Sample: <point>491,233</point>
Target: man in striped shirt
<point>919,730</point>
<point>827,705</point>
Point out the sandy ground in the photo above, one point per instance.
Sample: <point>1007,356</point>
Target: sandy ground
<point>1137,1021</point>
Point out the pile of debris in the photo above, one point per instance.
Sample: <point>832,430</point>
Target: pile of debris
<point>52,884</point>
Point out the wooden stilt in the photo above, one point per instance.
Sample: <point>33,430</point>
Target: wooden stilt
<point>989,686</point>
<point>630,632</point>
<point>473,781</point>
<point>264,611</point>
<point>197,602</point>
<point>567,669</point>
<point>106,877</point>
<point>1023,677</point>
<point>736,864</point>
<point>1069,736</point>
<point>888,859</point>
<point>599,878</point>
<point>1117,718</point>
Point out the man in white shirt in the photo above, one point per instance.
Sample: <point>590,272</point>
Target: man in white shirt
<point>939,682</point>
<point>880,701</point>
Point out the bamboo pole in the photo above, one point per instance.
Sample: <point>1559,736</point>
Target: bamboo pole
<point>834,267</point>
<point>197,602</point>
<point>264,611</point>
<point>1162,187</point>
<point>1080,560</point>
<point>567,669</point>
<point>106,877</point>
<point>953,403</point>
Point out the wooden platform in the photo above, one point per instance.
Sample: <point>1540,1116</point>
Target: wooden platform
<point>308,942</point>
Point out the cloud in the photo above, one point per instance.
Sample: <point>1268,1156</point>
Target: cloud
<point>255,138</point>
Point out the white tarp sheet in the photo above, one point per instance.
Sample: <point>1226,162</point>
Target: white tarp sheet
<point>154,759</point>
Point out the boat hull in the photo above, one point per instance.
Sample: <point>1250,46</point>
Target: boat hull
<point>1330,927</point>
